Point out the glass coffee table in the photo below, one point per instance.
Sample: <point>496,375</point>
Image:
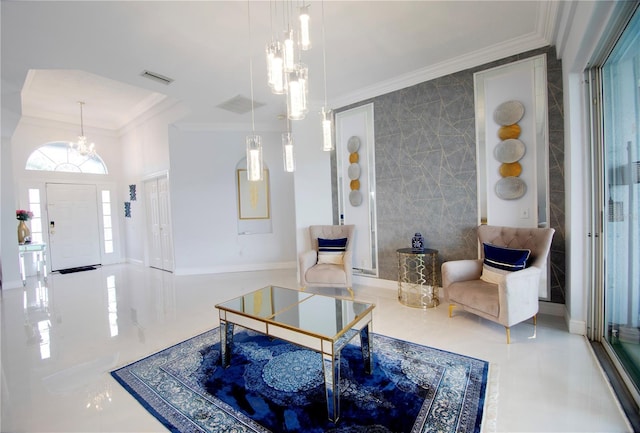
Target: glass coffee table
<point>321,323</point>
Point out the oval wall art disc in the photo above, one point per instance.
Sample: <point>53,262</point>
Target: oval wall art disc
<point>355,198</point>
<point>509,131</point>
<point>510,188</point>
<point>510,169</point>
<point>508,113</point>
<point>510,150</point>
<point>353,144</point>
<point>353,171</point>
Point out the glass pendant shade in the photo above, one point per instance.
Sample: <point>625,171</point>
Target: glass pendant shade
<point>327,130</point>
<point>254,158</point>
<point>305,40</point>
<point>275,67</point>
<point>287,153</point>
<point>297,93</point>
<point>289,52</point>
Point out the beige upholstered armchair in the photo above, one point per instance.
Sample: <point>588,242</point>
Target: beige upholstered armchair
<point>331,266</point>
<point>505,297</point>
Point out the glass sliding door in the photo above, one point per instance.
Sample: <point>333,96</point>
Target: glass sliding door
<point>620,194</point>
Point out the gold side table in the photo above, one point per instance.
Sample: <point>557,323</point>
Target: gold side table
<point>417,277</point>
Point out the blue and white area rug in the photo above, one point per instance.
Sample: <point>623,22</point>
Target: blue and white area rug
<point>274,386</point>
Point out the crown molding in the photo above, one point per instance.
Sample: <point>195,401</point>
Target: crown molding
<point>545,28</point>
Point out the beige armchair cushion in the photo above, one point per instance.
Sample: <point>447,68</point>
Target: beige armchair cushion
<point>314,274</point>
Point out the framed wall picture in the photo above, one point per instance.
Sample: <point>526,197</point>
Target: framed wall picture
<point>253,197</point>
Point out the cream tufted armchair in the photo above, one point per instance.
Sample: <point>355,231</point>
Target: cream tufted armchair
<point>314,273</point>
<point>514,298</point>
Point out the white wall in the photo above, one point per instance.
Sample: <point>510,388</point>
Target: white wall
<point>204,204</point>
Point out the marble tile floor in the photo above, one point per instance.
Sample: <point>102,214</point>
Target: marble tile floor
<point>61,338</point>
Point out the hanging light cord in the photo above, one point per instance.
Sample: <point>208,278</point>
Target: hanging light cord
<point>324,57</point>
<point>253,122</point>
<point>81,119</point>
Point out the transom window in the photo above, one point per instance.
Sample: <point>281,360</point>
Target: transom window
<point>59,156</point>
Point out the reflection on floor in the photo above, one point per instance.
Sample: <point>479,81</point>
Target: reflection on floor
<point>61,338</point>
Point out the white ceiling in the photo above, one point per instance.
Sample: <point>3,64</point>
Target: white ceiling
<point>58,53</point>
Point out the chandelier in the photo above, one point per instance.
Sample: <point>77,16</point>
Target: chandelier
<point>82,146</point>
<point>286,74</point>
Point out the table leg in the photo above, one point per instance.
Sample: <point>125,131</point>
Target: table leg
<point>44,263</point>
<point>331,367</point>
<point>226,343</point>
<point>365,343</point>
<point>23,271</point>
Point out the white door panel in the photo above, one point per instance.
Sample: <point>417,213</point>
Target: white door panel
<point>74,232</point>
<point>160,240</point>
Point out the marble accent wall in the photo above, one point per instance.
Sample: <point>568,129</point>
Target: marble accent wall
<point>426,179</point>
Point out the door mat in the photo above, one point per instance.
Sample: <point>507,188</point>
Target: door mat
<point>79,269</point>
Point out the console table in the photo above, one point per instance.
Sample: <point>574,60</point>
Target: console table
<point>417,277</point>
<point>40,250</point>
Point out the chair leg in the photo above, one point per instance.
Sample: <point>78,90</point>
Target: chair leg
<point>351,292</point>
<point>451,307</point>
<point>508,334</point>
<point>303,288</point>
<point>535,320</point>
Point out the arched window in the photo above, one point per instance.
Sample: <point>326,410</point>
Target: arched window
<point>58,156</point>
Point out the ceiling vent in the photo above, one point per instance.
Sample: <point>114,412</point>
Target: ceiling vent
<point>239,104</point>
<point>157,77</point>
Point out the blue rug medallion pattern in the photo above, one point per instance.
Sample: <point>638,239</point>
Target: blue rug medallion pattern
<point>275,386</point>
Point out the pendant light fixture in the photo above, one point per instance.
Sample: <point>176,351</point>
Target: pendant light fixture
<point>297,92</point>
<point>288,156</point>
<point>253,141</point>
<point>275,59</point>
<point>305,40</point>
<point>82,146</point>
<point>327,114</point>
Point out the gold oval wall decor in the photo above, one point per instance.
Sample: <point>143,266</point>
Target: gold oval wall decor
<point>355,185</point>
<point>509,131</point>
<point>510,169</point>
<point>354,157</point>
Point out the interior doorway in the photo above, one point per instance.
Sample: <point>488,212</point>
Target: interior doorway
<point>159,233</point>
<point>72,221</point>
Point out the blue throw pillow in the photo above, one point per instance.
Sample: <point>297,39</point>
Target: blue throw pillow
<point>499,261</point>
<point>331,251</point>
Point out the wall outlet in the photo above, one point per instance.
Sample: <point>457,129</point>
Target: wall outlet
<point>524,213</point>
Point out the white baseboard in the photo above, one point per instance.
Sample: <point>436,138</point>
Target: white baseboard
<point>135,261</point>
<point>552,309</point>
<point>235,268</point>
<point>576,326</point>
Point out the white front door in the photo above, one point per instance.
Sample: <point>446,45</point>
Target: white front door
<point>74,232</point>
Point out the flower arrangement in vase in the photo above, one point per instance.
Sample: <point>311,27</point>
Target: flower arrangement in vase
<point>24,215</point>
<point>24,234</point>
